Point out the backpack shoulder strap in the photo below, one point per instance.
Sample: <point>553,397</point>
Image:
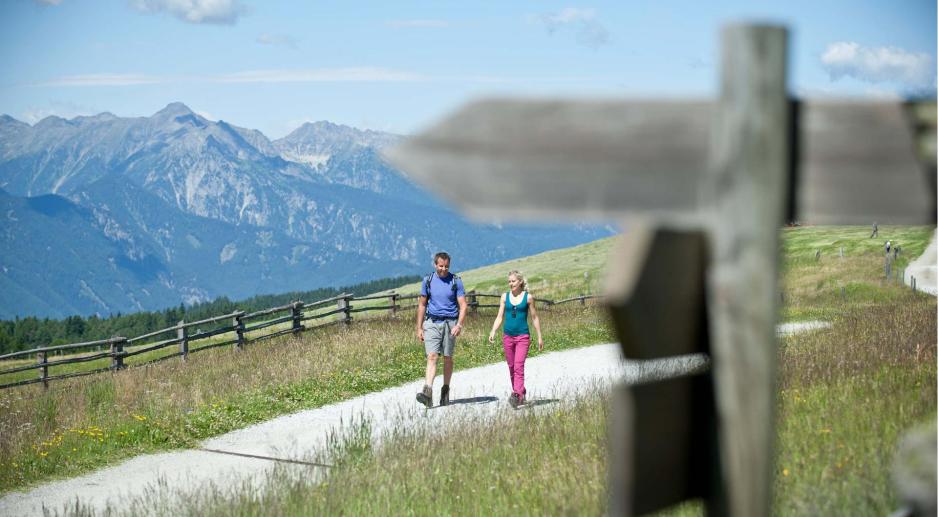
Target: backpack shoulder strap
<point>455,278</point>
<point>427,284</point>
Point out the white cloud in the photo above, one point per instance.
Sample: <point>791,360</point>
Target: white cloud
<point>879,65</point>
<point>582,22</point>
<point>219,12</point>
<point>277,40</point>
<point>104,80</point>
<point>417,24</point>
<point>319,75</point>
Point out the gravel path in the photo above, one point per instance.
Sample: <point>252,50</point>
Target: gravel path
<point>925,269</point>
<point>477,392</point>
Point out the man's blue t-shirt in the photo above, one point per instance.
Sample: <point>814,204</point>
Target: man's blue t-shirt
<point>442,302</point>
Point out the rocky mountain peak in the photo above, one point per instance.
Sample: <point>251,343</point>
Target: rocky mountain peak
<point>174,109</point>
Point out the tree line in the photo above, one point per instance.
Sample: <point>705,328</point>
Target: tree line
<point>31,332</point>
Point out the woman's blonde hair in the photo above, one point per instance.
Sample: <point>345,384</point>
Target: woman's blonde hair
<point>517,274</point>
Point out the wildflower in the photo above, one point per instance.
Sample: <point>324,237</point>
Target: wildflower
<point>824,431</point>
<point>785,472</point>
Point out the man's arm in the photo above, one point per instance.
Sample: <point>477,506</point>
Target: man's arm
<point>461,300</point>
<point>421,313</point>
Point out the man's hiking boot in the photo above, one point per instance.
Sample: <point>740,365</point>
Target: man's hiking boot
<point>444,395</point>
<point>513,400</point>
<point>425,397</point>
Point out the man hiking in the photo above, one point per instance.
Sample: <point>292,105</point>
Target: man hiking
<point>441,311</point>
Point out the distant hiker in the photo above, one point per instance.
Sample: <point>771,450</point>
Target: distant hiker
<point>875,231</point>
<point>514,308</point>
<point>441,310</point>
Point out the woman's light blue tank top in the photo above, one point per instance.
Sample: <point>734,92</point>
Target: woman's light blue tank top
<point>516,316</point>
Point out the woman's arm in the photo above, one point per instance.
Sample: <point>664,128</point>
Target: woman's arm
<point>498,319</point>
<point>536,321</point>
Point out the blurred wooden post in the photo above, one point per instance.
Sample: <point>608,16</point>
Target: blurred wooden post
<point>644,157</point>
<point>841,252</point>
<point>238,322</point>
<point>182,334</point>
<point>747,189</point>
<point>582,299</point>
<point>392,300</point>
<point>44,371</point>
<point>117,352</point>
<point>471,301</point>
<point>297,312</point>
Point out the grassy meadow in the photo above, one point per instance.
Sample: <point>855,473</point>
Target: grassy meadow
<point>845,395</point>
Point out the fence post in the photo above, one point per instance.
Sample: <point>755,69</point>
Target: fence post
<point>343,304</point>
<point>841,252</point>
<point>238,322</point>
<point>297,311</point>
<point>182,333</point>
<point>393,300</point>
<point>472,302</point>
<point>117,353</point>
<point>582,299</point>
<point>44,371</point>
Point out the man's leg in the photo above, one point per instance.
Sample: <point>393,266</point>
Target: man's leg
<point>447,369</point>
<point>431,369</point>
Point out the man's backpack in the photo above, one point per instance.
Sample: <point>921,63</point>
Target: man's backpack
<point>426,283</point>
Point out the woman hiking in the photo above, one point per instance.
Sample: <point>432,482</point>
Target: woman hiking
<point>514,308</point>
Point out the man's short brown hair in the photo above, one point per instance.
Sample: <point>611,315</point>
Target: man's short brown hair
<point>441,255</point>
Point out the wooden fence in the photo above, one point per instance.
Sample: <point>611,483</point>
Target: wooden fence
<point>118,349</point>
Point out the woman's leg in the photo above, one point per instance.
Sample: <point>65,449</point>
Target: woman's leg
<point>508,343</point>
<point>522,343</point>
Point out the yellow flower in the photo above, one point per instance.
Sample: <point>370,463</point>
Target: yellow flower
<point>784,472</point>
<point>824,431</point>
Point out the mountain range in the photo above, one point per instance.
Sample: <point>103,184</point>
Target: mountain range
<point>107,214</point>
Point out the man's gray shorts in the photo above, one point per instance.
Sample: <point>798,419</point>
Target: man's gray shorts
<point>438,337</point>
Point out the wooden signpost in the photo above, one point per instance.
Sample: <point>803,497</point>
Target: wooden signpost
<point>705,187</point>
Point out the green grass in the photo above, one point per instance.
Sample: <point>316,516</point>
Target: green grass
<point>821,288</point>
<point>844,397</point>
<point>531,462</point>
<point>91,422</point>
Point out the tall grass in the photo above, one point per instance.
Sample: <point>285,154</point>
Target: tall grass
<point>540,461</point>
<point>845,395</point>
<point>90,422</point>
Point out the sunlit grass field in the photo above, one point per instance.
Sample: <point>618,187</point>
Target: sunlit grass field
<point>845,395</point>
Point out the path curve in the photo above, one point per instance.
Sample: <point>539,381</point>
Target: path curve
<point>925,269</point>
<point>477,392</point>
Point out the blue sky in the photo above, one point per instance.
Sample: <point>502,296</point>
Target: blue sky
<point>399,66</point>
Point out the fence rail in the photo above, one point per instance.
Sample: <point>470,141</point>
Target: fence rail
<point>296,315</point>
